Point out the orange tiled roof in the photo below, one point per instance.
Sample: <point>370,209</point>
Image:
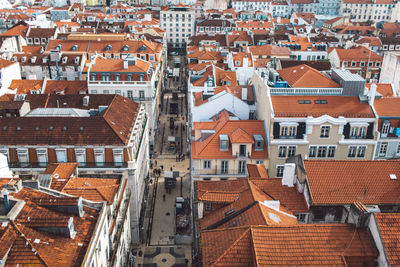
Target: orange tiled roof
<point>371,40</point>
<point>339,182</point>
<point>117,65</point>
<point>294,245</point>
<point>25,86</point>
<point>209,148</point>
<point>5,63</point>
<point>240,136</point>
<point>228,191</point>
<point>236,91</point>
<point>346,106</point>
<point>385,89</point>
<point>387,106</point>
<point>28,245</point>
<point>389,229</point>
<point>257,171</point>
<point>357,54</point>
<point>249,204</point>
<point>65,87</point>
<point>19,30</point>
<point>271,50</point>
<point>306,76</point>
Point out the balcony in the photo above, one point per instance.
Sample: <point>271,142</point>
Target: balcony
<point>305,91</point>
<point>218,174</point>
<point>119,83</point>
<point>43,165</point>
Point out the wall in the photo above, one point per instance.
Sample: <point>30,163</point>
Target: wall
<point>374,230</point>
<point>390,72</point>
<point>9,73</point>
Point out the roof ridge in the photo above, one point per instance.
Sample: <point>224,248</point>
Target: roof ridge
<point>22,235</point>
<point>233,244</point>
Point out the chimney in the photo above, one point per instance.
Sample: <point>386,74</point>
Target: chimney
<point>371,95</point>
<point>244,93</point>
<point>278,20</point>
<point>289,174</point>
<point>6,201</point>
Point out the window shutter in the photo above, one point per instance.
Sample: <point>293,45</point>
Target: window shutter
<point>276,130</point>
<point>346,131</point>
<point>369,131</point>
<point>301,130</point>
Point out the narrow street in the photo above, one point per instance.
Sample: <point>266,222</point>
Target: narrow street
<point>164,244</point>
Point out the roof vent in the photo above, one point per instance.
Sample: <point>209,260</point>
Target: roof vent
<point>393,176</point>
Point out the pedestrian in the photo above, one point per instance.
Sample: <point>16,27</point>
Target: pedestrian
<point>176,158</point>
<point>155,163</point>
<point>179,157</point>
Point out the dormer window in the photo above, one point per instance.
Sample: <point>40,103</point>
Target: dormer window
<point>108,47</point>
<point>125,48</point>
<point>74,48</point>
<point>258,142</point>
<point>142,48</point>
<point>223,142</point>
<point>58,47</point>
<point>237,63</point>
<point>288,131</point>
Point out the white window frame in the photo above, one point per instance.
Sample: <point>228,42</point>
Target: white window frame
<point>79,153</point>
<point>23,152</point>
<point>291,151</point>
<point>40,152</point>
<point>5,152</point>
<point>58,154</point>
<point>118,156</point>
<point>385,128</point>
<point>242,166</point>
<point>382,152</point>
<point>282,151</point>
<point>224,166</point>
<point>99,156</point>
<point>324,131</point>
<point>206,164</point>
<point>279,170</point>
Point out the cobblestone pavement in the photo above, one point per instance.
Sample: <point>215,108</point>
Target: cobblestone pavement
<point>160,246</point>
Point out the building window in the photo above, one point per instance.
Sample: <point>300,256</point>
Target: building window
<point>282,152</point>
<point>130,94</point>
<point>80,155</point>
<point>279,170</point>
<point>223,142</point>
<point>141,94</point>
<point>224,166</point>
<point>331,152</point>
<point>42,156</point>
<point>288,131</point>
<point>398,149</point>
<point>291,151</point>
<point>262,162</point>
<point>353,132</point>
<point>313,152</point>
<point>385,128</point>
<point>322,152</point>
<point>352,152</point>
<point>208,206</point>
<point>325,131</point>
<point>118,155</point>
<point>61,155</point>
<point>242,150</point>
<point>99,157</point>
<point>361,151</point>
<point>258,142</point>
<point>242,166</point>
<point>207,164</point>
<point>383,149</point>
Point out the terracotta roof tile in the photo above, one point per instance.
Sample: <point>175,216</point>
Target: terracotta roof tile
<point>30,246</point>
<point>338,182</point>
<point>387,106</point>
<point>346,106</point>
<point>306,76</point>
<point>25,86</point>
<point>5,63</point>
<point>385,89</point>
<point>357,54</point>
<point>308,245</point>
<point>66,87</point>
<point>389,229</point>
<point>257,171</point>
<point>240,136</point>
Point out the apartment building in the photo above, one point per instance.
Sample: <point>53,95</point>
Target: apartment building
<point>375,10</point>
<point>360,60</point>
<point>312,123</point>
<point>105,134</point>
<point>328,7</point>
<point>179,23</point>
<point>112,189</point>
<point>388,114</point>
<point>223,146</point>
<point>9,71</point>
<point>130,77</point>
<point>40,36</point>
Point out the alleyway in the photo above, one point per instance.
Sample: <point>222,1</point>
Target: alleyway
<point>162,246</point>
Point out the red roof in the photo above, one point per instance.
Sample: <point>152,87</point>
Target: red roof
<point>389,230</point>
<point>346,106</point>
<point>295,245</point>
<point>342,182</point>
